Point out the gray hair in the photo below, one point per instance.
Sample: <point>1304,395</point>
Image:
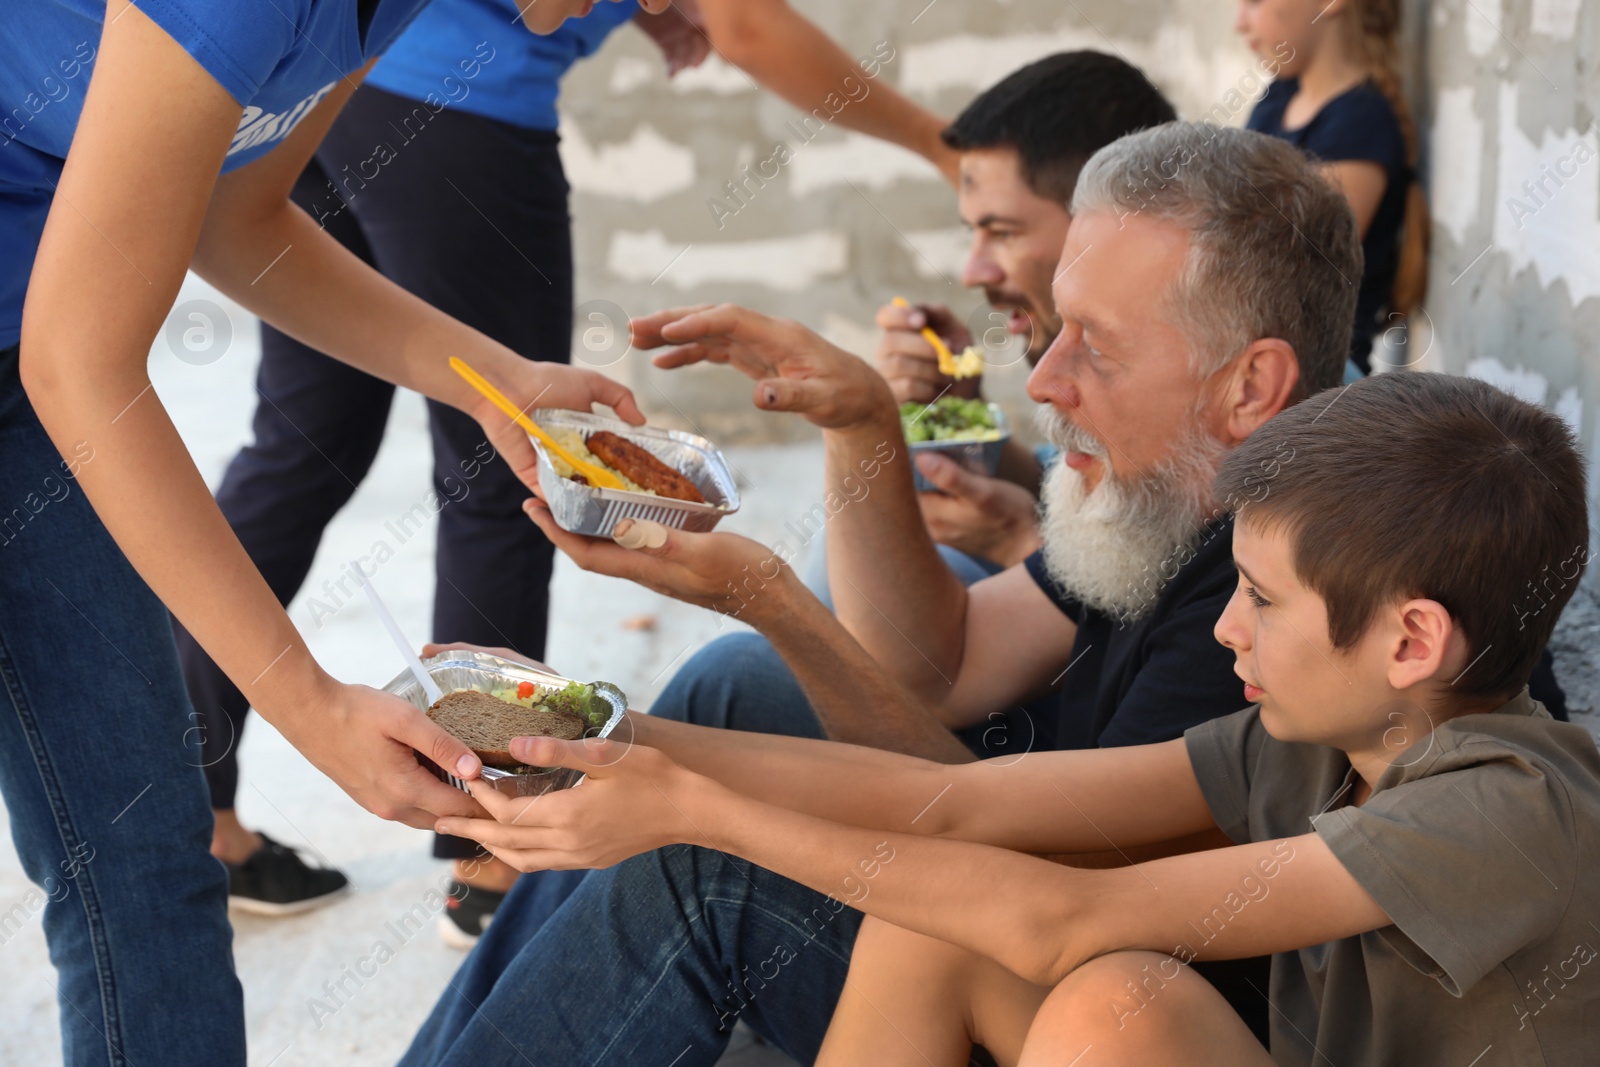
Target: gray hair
<point>1274,250</point>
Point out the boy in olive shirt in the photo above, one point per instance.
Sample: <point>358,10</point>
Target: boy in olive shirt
<point>1404,548</point>
<point>1417,842</point>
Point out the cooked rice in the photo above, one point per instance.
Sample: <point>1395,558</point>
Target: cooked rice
<point>573,441</point>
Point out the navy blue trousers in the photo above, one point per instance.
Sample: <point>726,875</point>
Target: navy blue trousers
<point>470,214</point>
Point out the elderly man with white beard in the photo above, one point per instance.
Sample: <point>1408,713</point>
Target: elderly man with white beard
<point>1194,307</point>
<point>1207,282</point>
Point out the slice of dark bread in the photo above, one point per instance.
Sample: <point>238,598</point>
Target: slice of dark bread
<point>487,724</point>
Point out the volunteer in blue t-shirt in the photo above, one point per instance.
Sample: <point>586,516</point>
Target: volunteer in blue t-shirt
<point>135,142</point>
<point>443,173</point>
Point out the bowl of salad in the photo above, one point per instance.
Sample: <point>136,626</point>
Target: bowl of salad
<point>971,432</point>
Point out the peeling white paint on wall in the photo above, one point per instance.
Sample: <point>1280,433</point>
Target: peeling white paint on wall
<point>1520,382</point>
<point>1457,161</point>
<point>630,72</point>
<point>1197,79</point>
<point>1547,209</point>
<point>1555,18</point>
<point>715,75</point>
<point>856,159</point>
<point>643,168</point>
<point>850,335</point>
<point>940,254</point>
<point>784,264</point>
<point>1569,405</point>
<point>967,61</point>
<point>1482,25</point>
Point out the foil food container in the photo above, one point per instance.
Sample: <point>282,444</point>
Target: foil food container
<point>979,457</point>
<point>585,509</point>
<point>463,669</point>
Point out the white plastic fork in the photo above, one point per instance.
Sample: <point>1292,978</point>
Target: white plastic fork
<point>429,686</point>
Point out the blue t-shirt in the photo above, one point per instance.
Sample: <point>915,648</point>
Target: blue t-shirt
<point>1358,124</point>
<point>277,58</point>
<point>443,54</point>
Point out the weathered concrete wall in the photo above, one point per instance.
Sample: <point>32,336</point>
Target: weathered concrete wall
<point>1514,294</point>
<point>849,221</point>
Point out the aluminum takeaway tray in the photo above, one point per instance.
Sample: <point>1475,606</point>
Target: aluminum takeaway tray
<point>463,669</point>
<point>979,457</point>
<point>584,509</point>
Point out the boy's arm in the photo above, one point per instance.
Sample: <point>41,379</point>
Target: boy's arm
<point>1041,920</point>
<point>1111,801</point>
<point>1037,918</point>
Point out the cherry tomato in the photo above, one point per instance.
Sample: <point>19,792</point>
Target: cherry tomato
<point>524,690</point>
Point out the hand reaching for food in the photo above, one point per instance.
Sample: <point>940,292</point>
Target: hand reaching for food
<point>794,368</point>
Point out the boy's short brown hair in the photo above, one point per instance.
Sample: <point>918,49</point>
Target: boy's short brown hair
<point>1425,485</point>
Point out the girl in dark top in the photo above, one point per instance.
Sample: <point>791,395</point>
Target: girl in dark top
<point>1337,96</point>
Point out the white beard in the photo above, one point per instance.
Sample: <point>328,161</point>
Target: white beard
<point>1116,547</point>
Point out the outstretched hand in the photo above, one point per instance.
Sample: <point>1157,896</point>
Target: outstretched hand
<point>794,368</point>
<point>633,799</point>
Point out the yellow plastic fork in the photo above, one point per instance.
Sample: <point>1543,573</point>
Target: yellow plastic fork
<point>598,477</point>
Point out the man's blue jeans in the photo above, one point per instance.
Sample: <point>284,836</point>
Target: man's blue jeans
<point>635,964</point>
<point>580,966</point>
<point>100,768</point>
<point>649,962</point>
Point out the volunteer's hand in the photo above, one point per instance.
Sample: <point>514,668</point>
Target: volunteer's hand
<point>794,369</point>
<point>908,362</point>
<point>679,32</point>
<point>532,384</point>
<point>724,572</point>
<point>363,739</point>
<point>633,799</point>
<point>433,648</point>
<point>986,517</point>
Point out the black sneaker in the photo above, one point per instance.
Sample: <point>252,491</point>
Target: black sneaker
<point>467,913</point>
<point>275,881</point>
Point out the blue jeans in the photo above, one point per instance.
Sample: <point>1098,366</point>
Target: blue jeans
<point>649,962</point>
<point>968,568</point>
<point>580,965</point>
<point>100,768</point>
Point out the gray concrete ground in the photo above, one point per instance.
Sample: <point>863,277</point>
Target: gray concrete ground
<point>599,632</point>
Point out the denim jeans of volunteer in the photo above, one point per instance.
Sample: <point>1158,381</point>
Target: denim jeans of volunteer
<point>100,770</point>
<point>649,962</point>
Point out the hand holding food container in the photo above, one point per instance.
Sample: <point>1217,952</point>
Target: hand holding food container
<point>487,700</point>
<point>721,572</point>
<point>634,799</point>
<point>595,471</point>
<point>970,432</point>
